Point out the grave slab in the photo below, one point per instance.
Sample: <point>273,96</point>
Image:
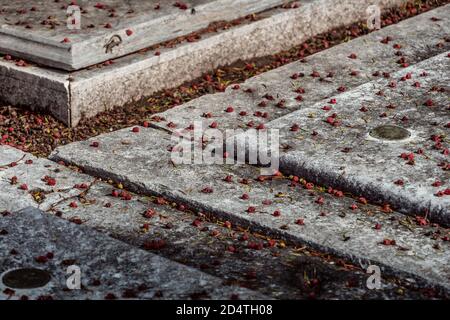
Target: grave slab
<point>190,239</point>
<point>108,268</point>
<point>35,181</point>
<point>110,29</point>
<point>70,96</point>
<point>225,250</point>
<point>142,162</point>
<point>340,147</point>
<point>276,93</point>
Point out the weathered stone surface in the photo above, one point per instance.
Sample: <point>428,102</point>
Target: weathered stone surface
<point>9,156</point>
<point>37,88</point>
<point>23,33</point>
<point>25,184</point>
<point>142,162</point>
<point>409,173</point>
<point>418,38</point>
<point>226,251</point>
<point>191,239</point>
<point>71,96</point>
<point>108,267</point>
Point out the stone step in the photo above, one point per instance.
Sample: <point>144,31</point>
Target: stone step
<point>70,96</point>
<point>390,148</point>
<point>220,249</point>
<point>23,183</point>
<point>225,250</point>
<point>108,268</point>
<point>142,161</point>
<point>415,39</point>
<point>134,24</point>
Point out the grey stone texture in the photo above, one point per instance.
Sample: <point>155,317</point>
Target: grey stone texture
<point>225,250</point>
<point>109,268</point>
<point>419,38</point>
<point>189,238</point>
<point>38,34</point>
<point>143,163</point>
<point>72,96</point>
<point>416,39</point>
<point>325,219</point>
<point>39,192</point>
<point>347,157</point>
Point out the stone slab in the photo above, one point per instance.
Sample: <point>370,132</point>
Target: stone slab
<point>36,32</point>
<point>72,96</point>
<point>109,268</point>
<point>142,162</point>
<point>9,156</point>
<point>224,250</point>
<point>192,240</point>
<point>418,38</point>
<point>347,157</point>
<point>24,184</point>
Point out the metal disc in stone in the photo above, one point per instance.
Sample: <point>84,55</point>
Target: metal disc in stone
<point>27,278</point>
<point>390,132</point>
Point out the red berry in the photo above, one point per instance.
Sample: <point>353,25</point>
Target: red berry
<point>213,125</point>
<point>197,223</point>
<point>429,103</point>
<point>41,259</point>
<point>207,190</point>
<point>251,209</point>
<point>437,184</point>
<point>295,127</point>
<point>150,213</point>
<point>309,186</point>
<point>388,242</point>
<point>245,196</point>
<point>73,205</point>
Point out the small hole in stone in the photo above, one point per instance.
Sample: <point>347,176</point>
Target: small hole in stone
<point>27,278</point>
<point>390,132</point>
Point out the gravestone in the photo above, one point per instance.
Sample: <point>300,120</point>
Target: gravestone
<point>75,63</point>
<point>71,37</point>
